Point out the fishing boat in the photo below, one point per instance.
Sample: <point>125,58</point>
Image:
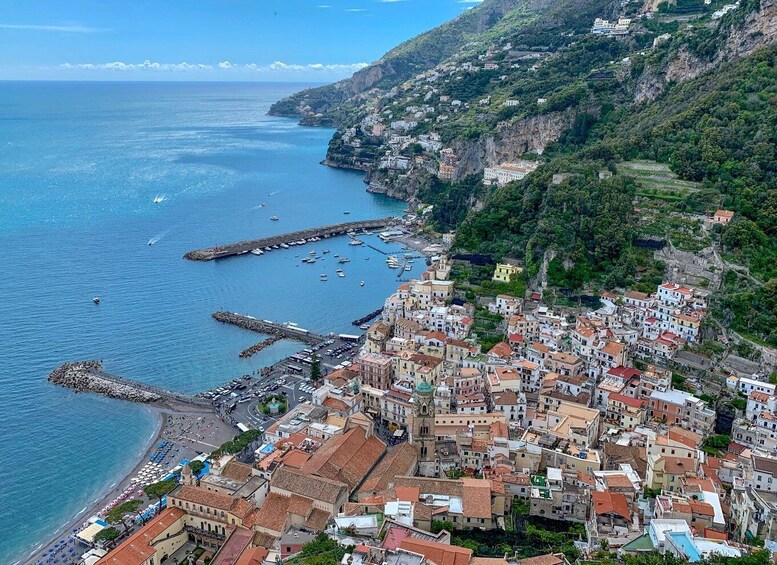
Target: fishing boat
<point>344,260</point>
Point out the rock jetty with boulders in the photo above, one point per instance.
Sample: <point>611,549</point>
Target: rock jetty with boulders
<point>88,376</point>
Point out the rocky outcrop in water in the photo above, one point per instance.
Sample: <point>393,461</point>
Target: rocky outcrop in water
<point>87,376</point>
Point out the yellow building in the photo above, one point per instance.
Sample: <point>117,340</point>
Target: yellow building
<point>505,271</point>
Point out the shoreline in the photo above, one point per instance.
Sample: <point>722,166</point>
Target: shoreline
<point>106,494</point>
<point>167,415</point>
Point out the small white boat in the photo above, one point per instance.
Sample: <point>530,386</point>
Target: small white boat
<point>274,218</point>
<point>356,242</point>
<point>408,268</point>
<point>361,283</point>
<point>364,327</point>
<point>344,260</point>
<point>339,270</point>
<point>96,299</point>
<point>284,246</point>
<point>257,252</point>
<point>312,253</point>
<point>341,275</point>
<point>159,199</point>
<point>323,277</point>
<point>326,251</point>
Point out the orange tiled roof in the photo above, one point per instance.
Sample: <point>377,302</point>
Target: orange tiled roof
<point>606,502</point>
<point>136,549</point>
<point>438,553</point>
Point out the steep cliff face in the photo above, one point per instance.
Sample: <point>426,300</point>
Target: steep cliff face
<point>741,32</point>
<point>508,143</point>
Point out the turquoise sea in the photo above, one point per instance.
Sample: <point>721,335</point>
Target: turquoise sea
<point>80,167</point>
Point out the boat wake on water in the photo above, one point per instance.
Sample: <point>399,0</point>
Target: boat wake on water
<point>158,237</point>
<point>159,199</point>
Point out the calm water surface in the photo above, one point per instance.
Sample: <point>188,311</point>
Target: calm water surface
<point>80,167</point>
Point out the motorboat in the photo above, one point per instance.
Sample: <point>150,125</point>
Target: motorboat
<point>274,218</point>
<point>257,252</point>
<point>361,283</point>
<point>323,277</point>
<point>346,212</point>
<point>344,260</point>
<point>341,275</point>
<point>96,299</point>
<point>364,327</point>
<point>356,242</point>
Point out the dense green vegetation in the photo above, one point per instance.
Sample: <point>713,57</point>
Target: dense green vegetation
<point>320,551</point>
<point>238,443</point>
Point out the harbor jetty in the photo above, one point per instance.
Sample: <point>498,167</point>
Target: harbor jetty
<point>257,347</point>
<point>281,331</point>
<point>368,317</point>
<point>243,247</point>
<point>88,376</point>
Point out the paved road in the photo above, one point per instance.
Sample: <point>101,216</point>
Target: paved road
<point>289,377</point>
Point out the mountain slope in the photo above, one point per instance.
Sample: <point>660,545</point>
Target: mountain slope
<point>401,63</point>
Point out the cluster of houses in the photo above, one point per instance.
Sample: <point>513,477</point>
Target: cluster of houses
<point>424,427</point>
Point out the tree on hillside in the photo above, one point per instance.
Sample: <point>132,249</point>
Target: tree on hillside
<point>315,369</point>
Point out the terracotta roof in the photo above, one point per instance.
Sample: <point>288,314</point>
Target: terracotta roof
<point>272,514</point>
<point>205,497</point>
<point>427,485</point>
<point>686,437</point>
<point>617,481</point>
<point>501,349</point>
<point>711,533</point>
<point>294,458</point>
<point>335,404</point>
<point>262,539</point>
<point>488,561</point>
<point>627,400</point>
<point>317,488</point>
<point>507,397</point>
<point>317,520</point>
<point>547,559</point>
<point>253,556</point>
<point>408,494</point>
<point>136,549</point>
<point>678,465</point>
<point>234,546</point>
<point>438,553</point>
<point>401,460</point>
<point>701,508</point>
<point>300,505</point>
<point>236,471</point>
<point>346,458</point>
<point>477,498</point>
<point>606,502</point>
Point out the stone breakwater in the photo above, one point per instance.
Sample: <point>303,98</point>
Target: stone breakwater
<point>257,347</point>
<point>86,376</point>
<point>243,247</point>
<point>267,327</point>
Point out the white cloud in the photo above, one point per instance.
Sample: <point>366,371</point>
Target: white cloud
<point>355,9</point>
<point>144,66</point>
<point>73,28</point>
<point>323,6</point>
<point>224,66</point>
<point>390,1</point>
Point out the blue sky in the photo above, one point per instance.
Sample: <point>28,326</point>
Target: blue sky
<point>268,40</point>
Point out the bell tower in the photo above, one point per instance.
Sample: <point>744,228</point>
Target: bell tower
<point>422,434</point>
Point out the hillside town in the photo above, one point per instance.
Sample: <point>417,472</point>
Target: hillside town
<point>426,439</point>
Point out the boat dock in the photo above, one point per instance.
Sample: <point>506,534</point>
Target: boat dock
<point>88,376</point>
<point>243,247</point>
<point>267,327</point>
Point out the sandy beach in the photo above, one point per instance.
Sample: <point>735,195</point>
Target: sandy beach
<point>191,429</point>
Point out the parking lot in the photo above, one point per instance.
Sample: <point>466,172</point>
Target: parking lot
<point>239,399</point>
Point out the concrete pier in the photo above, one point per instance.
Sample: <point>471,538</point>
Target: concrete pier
<point>242,247</point>
<point>88,376</point>
<point>268,327</point>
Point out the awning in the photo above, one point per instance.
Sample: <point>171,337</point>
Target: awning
<point>88,533</point>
